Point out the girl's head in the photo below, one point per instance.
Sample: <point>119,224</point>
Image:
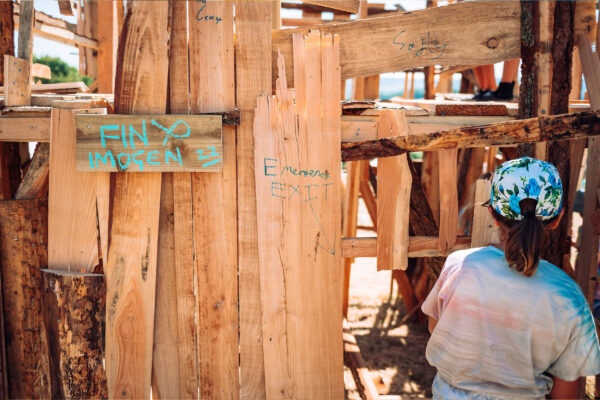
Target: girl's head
<point>526,201</point>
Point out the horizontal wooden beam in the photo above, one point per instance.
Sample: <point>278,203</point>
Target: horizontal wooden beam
<point>350,6</point>
<point>57,30</point>
<point>418,246</point>
<point>429,37</point>
<point>25,129</point>
<point>554,127</point>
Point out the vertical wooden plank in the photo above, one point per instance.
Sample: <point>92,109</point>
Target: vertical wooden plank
<point>299,245</point>
<point>174,324</point>
<point>394,181</point>
<point>23,238</point>
<point>215,203</point>
<point>349,228</point>
<point>585,19</point>
<point>165,357</point>
<point>448,199</point>
<point>17,86</point>
<point>72,230</point>
<point>107,44</point>
<point>26,22</point>
<point>253,77</point>
<point>140,87</point>
<point>484,230</point>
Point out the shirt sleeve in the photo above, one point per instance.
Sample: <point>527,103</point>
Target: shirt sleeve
<point>581,357</point>
<point>434,303</point>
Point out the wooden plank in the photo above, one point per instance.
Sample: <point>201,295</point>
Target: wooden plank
<point>350,221</point>
<point>17,73</point>
<point>23,252</point>
<point>107,45</point>
<point>41,71</point>
<point>174,324</point>
<point>35,182</point>
<point>24,129</point>
<point>253,32</point>
<point>418,246</point>
<point>165,356</point>
<point>419,38</point>
<point>554,127</point>
<point>585,20</point>
<point>448,199</point>
<point>394,181</point>
<point>484,230</point>
<point>149,143</point>
<point>467,108</point>
<point>140,87</point>
<point>588,251</point>
<point>215,203</point>
<point>350,6</point>
<point>72,232</point>
<point>357,365</point>
<point>66,87</point>
<point>64,6</point>
<point>26,22</point>
<point>299,246</point>
<point>367,195</point>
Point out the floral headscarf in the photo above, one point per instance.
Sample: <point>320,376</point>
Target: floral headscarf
<point>526,178</point>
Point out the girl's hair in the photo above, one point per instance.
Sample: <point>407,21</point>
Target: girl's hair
<point>526,238</point>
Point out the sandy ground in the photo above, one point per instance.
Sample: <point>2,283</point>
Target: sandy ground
<point>392,350</point>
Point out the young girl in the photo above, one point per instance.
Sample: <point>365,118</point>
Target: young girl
<point>504,323</point>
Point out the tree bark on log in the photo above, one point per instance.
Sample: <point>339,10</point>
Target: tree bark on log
<point>559,152</point>
<point>73,315</point>
<point>23,252</point>
<point>528,89</point>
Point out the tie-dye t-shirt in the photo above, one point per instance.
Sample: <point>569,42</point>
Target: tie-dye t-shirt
<point>500,334</point>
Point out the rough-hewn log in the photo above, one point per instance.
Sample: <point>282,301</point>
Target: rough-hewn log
<point>559,152</point>
<point>554,127</point>
<point>73,315</point>
<point>23,252</point>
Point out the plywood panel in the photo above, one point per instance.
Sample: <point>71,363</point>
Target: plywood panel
<point>215,203</point>
<point>297,174</point>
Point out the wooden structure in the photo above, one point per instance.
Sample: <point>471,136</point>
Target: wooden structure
<point>233,283</point>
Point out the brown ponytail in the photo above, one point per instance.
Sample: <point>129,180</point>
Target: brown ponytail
<point>525,239</point>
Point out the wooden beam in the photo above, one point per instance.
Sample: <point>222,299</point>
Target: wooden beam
<point>484,230</point>
<point>554,127</point>
<point>350,6</point>
<point>140,87</point>
<point>418,246</point>
<point>394,182</point>
<point>24,129</point>
<point>107,45</point>
<point>421,38</point>
<point>17,88</point>
<point>27,19</point>
<point>215,204</point>
<point>24,222</point>
<point>253,26</point>
<point>65,7</point>
<point>60,34</point>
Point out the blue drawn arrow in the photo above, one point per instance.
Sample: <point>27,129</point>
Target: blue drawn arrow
<point>331,249</point>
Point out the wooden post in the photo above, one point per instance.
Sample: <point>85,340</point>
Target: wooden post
<point>215,203</point>
<point>23,252</point>
<point>73,308</point>
<point>528,89</point>
<point>25,53</point>
<point>253,52</point>
<point>107,44</point>
<point>563,154</point>
<point>140,87</point>
<point>448,199</point>
<point>484,230</point>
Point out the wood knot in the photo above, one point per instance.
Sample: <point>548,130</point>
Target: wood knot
<point>492,43</point>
